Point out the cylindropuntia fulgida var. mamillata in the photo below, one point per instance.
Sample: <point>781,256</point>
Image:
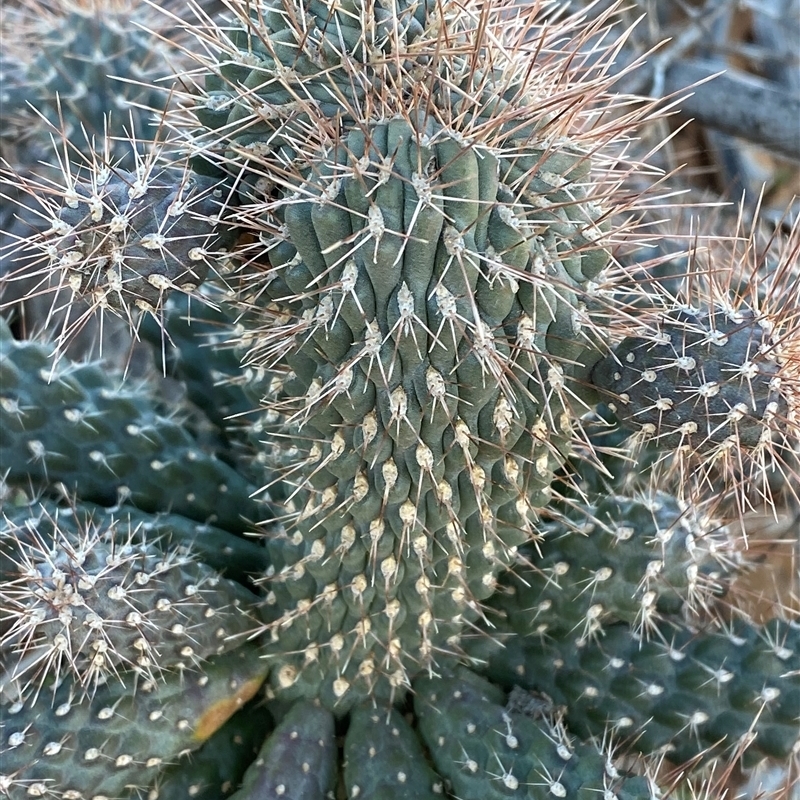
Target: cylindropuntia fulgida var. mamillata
<point>425,199</point>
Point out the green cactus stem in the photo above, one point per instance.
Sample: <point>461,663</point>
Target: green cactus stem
<point>232,556</point>
<point>89,69</point>
<point>95,602</point>
<point>79,425</point>
<point>619,559</point>
<point>691,694</point>
<point>298,759</point>
<point>384,758</point>
<point>121,738</point>
<point>487,751</point>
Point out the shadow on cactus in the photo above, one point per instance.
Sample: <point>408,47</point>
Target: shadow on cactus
<point>414,207</point>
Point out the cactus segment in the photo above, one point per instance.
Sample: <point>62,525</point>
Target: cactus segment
<point>75,424</point>
<point>711,385</point>
<point>215,770</point>
<point>621,559</point>
<point>97,601</point>
<point>89,70</point>
<point>197,342</point>
<point>384,759</point>
<point>127,240</point>
<point>412,425</point>
<point>59,744</point>
<point>486,750</point>
<point>232,556</point>
<point>708,377</point>
<point>298,759</point>
<point>690,694</point>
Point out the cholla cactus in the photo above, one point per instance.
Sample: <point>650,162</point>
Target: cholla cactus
<point>413,208</point>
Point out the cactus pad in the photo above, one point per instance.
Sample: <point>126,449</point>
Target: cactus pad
<point>487,751</point>
<point>124,735</point>
<point>716,386</point>
<point>97,602</point>
<point>384,758</point>
<point>619,559</point>
<point>298,759</point>
<point>78,425</point>
<point>689,694</point>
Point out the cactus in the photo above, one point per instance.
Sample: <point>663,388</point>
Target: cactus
<point>692,694</point>
<point>424,373</point>
<point>54,743</point>
<point>88,75</point>
<point>623,559</point>
<point>95,602</point>
<point>710,379</point>
<point>298,759</point>
<point>383,758</point>
<point>135,453</point>
<point>228,554</point>
<point>85,68</point>
<point>215,770</point>
<point>403,215</point>
<point>486,751</point>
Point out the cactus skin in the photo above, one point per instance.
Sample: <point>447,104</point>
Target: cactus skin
<point>95,602</point>
<point>232,556</point>
<point>62,745</point>
<point>707,383</point>
<point>688,693</point>
<point>298,759</point>
<point>619,559</point>
<point>128,242</point>
<point>197,342</point>
<point>383,758</point>
<point>414,399</point>
<point>487,752</point>
<point>78,425</point>
<point>215,770</point>
<point>394,541</point>
<point>710,377</point>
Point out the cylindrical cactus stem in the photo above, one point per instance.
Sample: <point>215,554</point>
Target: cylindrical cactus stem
<point>617,559</point>
<point>119,740</point>
<point>384,758</point>
<point>421,339</point>
<point>96,602</point>
<point>487,750</point>
<point>426,395</point>
<point>706,379</point>
<point>690,694</point>
<point>298,759</point>
<point>81,426</point>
